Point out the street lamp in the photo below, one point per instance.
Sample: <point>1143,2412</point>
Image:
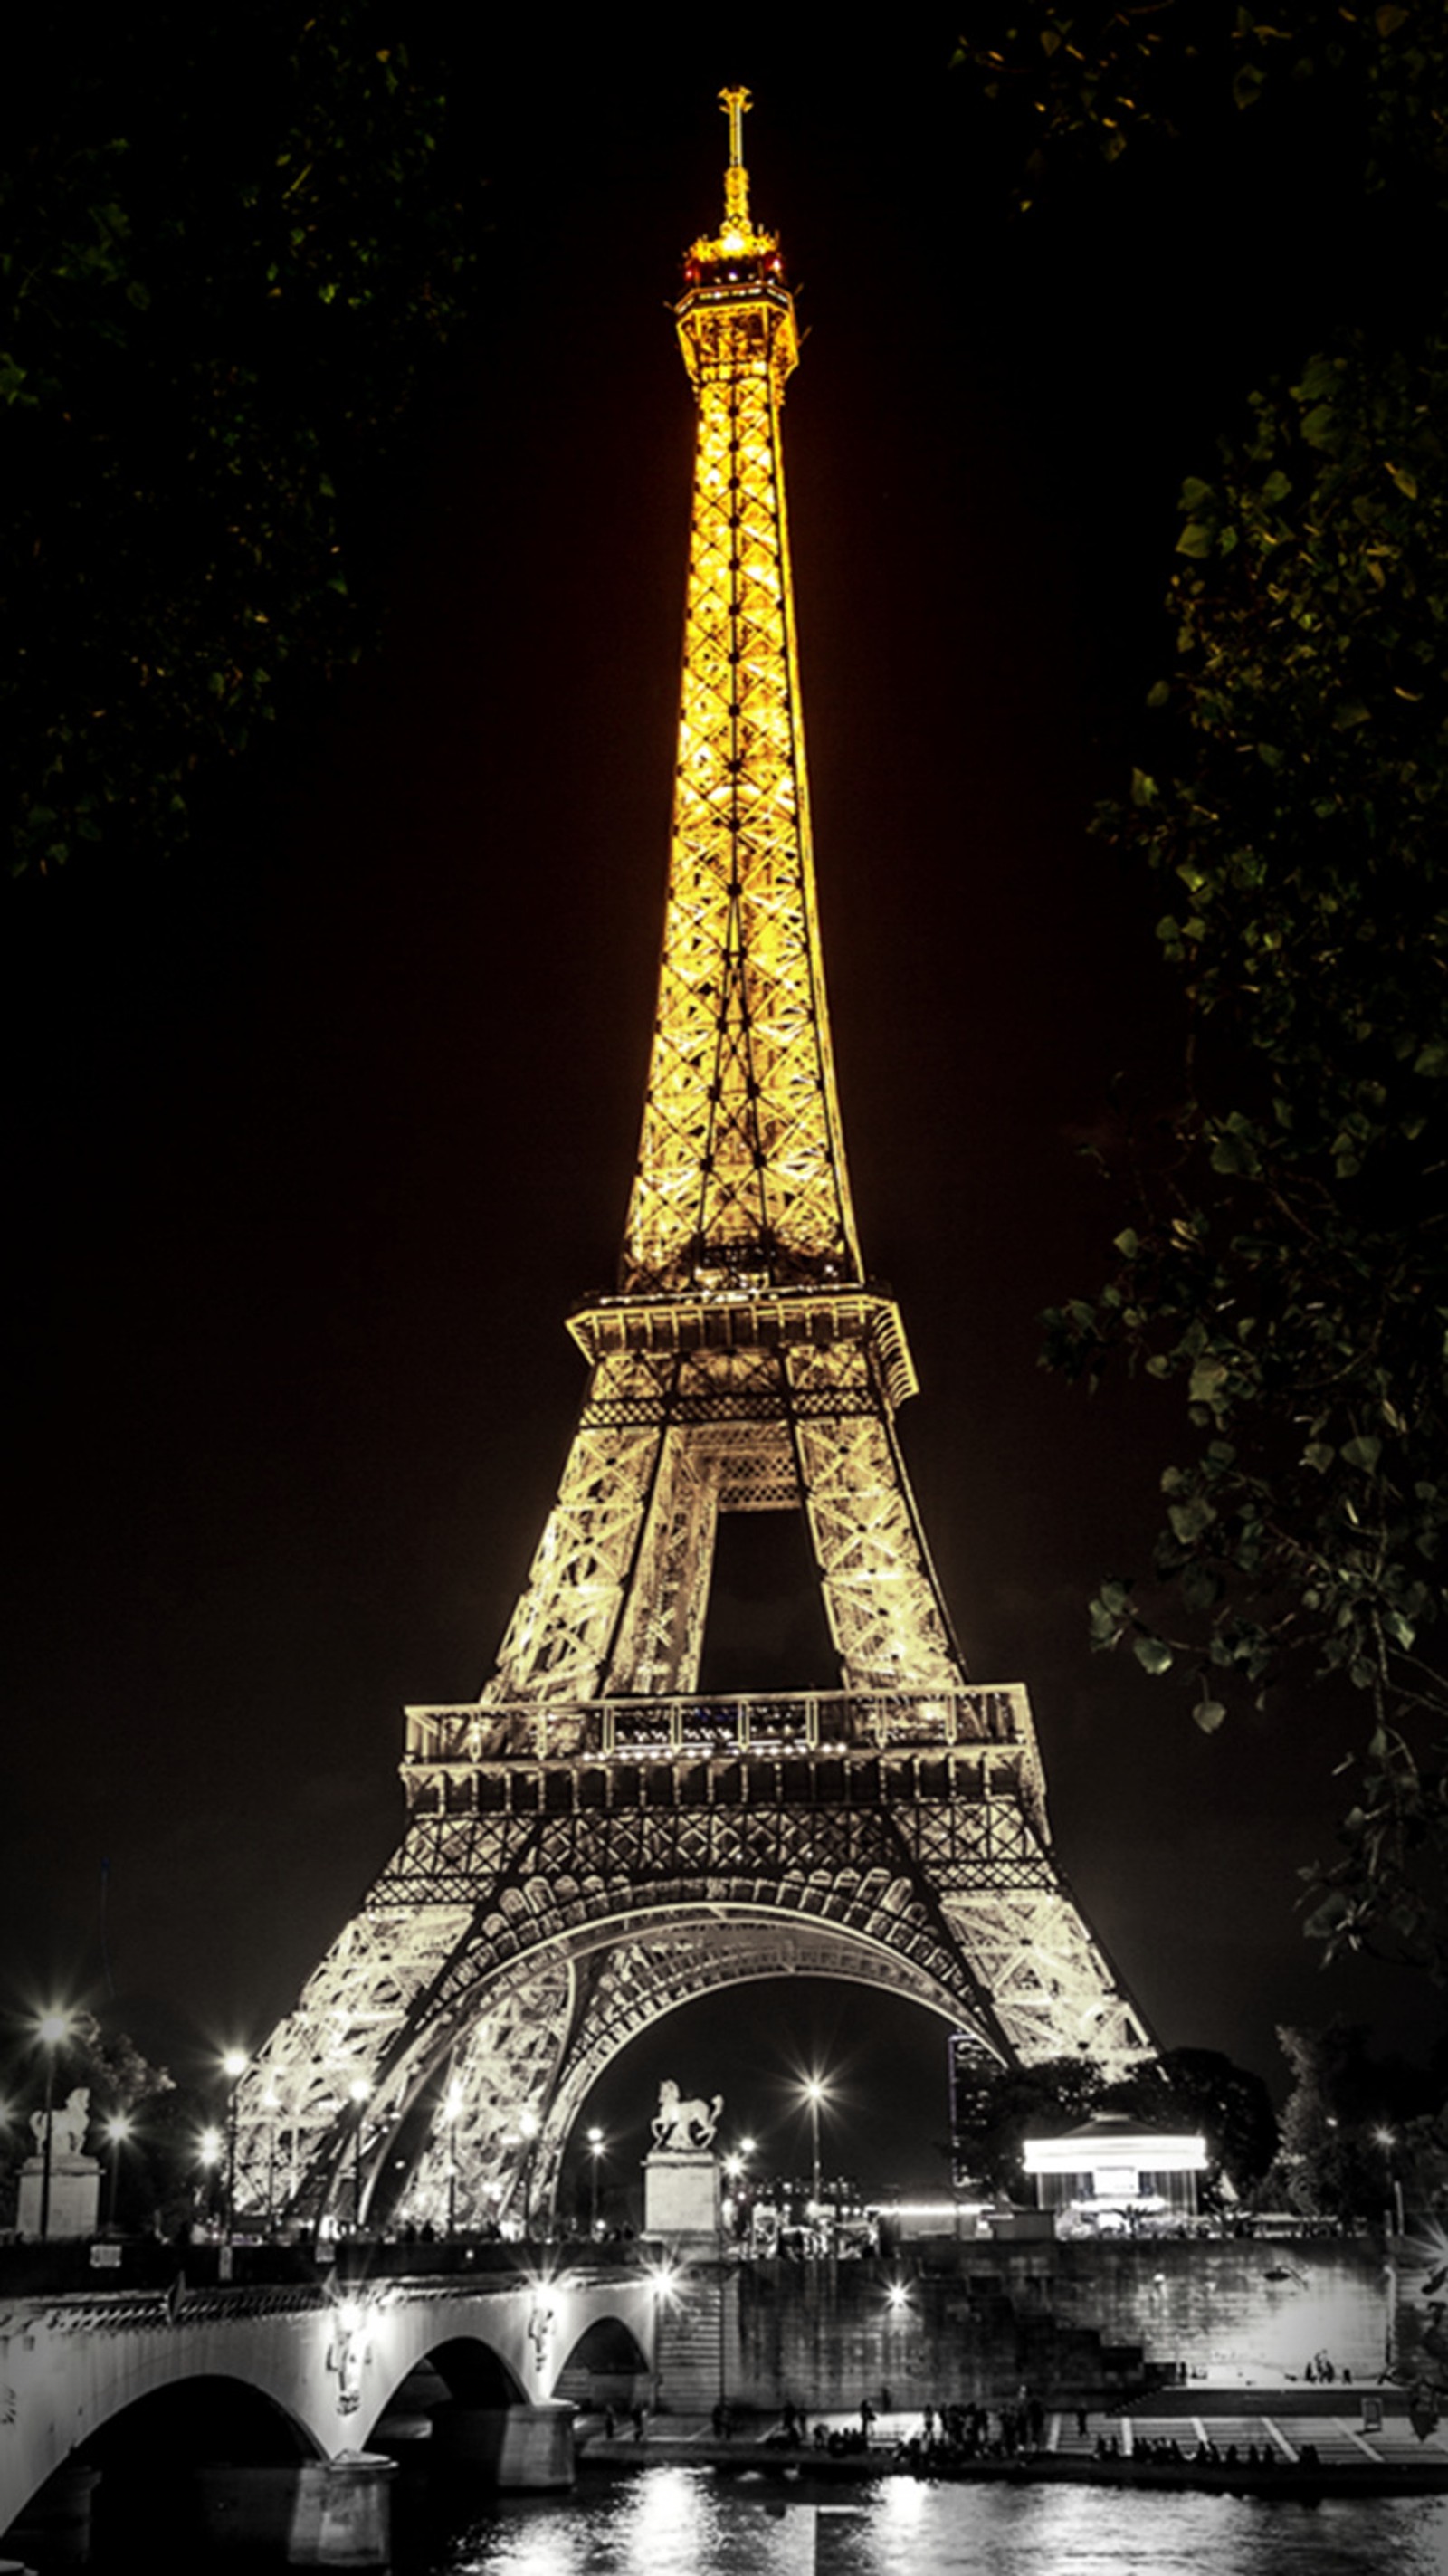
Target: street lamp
<point>271,2103</point>
<point>595,2150</point>
<point>359,2090</point>
<point>452,2104</point>
<point>731,2169</point>
<point>528,2130</point>
<point>52,2030</point>
<point>1387,2139</point>
<point>118,2129</point>
<point>233,2067</point>
<point>210,2147</point>
<point>816,2091</point>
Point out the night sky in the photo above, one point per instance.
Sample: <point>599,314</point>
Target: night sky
<point>318,1132</point>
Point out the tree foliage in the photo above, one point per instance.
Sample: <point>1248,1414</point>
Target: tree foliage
<point>1285,1267</point>
<point>1088,81</point>
<point>993,2115</point>
<point>1185,2089</point>
<point>1353,2128</point>
<point>232,244</point>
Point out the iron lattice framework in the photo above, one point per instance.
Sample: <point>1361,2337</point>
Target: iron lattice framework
<point>592,1843</point>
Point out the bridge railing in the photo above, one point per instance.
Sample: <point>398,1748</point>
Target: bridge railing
<point>252,2276</point>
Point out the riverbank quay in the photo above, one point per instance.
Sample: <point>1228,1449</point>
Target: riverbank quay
<point>1306,2448</point>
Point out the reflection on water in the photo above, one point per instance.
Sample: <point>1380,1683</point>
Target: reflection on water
<point>684,2522</point>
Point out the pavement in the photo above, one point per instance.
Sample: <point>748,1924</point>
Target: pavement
<point>1279,2418</point>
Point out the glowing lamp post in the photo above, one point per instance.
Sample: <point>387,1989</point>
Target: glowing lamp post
<point>528,2130</point>
<point>1387,2139</point>
<point>730,2171</point>
<point>118,2129</point>
<point>233,2067</point>
<point>452,2105</point>
<point>360,2091</point>
<point>816,2092</point>
<point>595,2151</point>
<point>52,2030</point>
<point>210,2147</point>
<point>271,2103</point>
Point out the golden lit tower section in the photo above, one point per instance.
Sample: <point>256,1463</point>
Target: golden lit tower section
<point>741,1176</point>
<point>744,1363</point>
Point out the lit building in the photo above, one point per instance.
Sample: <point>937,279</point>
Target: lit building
<point>1111,2167</point>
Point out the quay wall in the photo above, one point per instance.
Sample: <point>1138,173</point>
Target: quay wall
<point>1080,2323</point>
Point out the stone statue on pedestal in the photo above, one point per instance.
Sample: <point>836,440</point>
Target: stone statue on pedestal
<point>68,2125</point>
<point>690,2125</point>
<point>70,2205</point>
<point>681,2182</point>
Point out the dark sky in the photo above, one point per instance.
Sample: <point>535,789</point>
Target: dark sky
<point>320,1131</point>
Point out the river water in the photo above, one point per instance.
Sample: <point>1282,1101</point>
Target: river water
<point>676,2521</point>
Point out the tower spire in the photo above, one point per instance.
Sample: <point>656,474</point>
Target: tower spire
<point>736,104</point>
<point>741,1172</point>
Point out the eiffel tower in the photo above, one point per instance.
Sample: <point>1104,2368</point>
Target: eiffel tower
<point>592,1842</point>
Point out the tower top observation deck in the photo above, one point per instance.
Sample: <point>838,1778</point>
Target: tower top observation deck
<point>734,275</point>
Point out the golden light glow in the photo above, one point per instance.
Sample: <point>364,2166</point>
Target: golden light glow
<point>743,1364</point>
<point>741,1177</point>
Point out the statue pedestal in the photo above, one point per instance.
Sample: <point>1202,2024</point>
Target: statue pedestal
<point>681,2193</point>
<point>75,2194</point>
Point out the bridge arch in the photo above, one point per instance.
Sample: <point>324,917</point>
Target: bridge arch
<point>140,2453</point>
<point>458,2370</point>
<point>604,2366</point>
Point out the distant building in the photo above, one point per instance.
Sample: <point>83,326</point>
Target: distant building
<point>1110,2167</point>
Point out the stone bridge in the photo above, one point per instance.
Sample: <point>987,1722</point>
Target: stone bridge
<point>323,2361</point>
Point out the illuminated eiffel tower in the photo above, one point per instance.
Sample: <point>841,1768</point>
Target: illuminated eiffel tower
<point>592,1842</point>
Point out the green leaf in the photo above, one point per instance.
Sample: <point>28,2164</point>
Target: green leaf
<point>1319,377</point>
<point>1199,1587</point>
<point>1364,1452</point>
<point>1209,1714</point>
<point>1153,1654</point>
<point>1207,1381</point>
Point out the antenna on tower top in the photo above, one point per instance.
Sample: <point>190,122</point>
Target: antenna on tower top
<point>736,104</point>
